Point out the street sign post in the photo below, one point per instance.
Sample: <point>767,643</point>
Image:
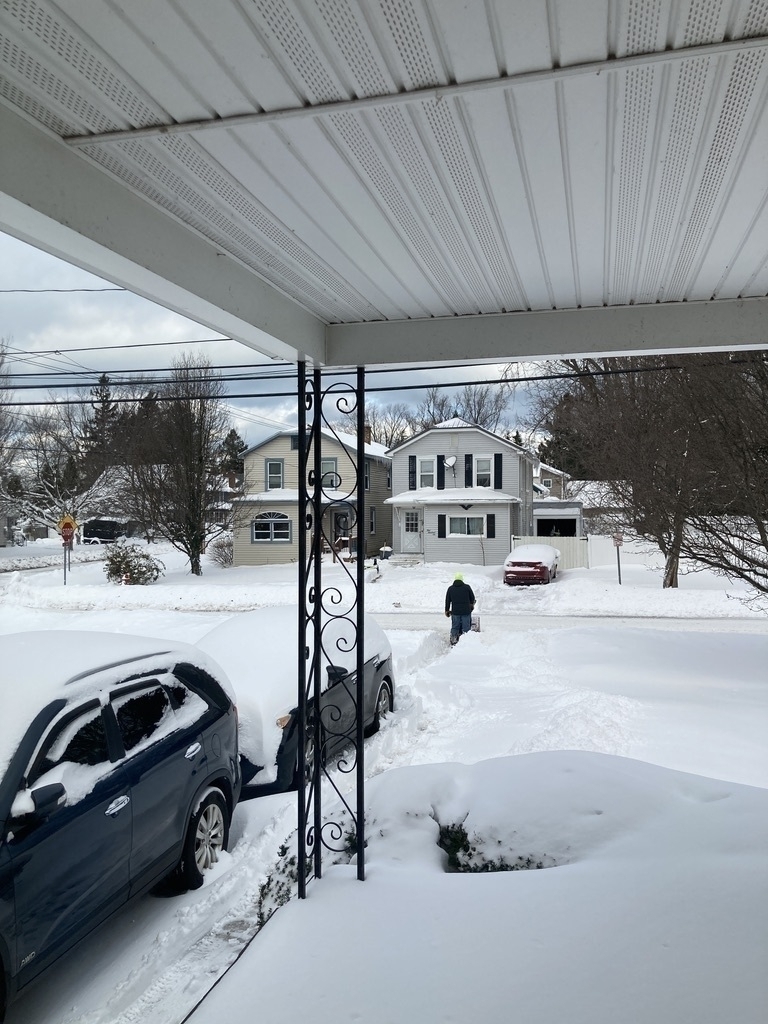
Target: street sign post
<point>618,540</point>
<point>67,526</point>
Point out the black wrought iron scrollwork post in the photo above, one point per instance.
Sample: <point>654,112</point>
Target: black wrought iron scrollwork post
<point>331,633</point>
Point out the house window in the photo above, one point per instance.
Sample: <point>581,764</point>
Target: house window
<point>367,474</point>
<point>426,472</point>
<point>273,473</point>
<point>329,474</point>
<point>466,526</point>
<point>295,445</point>
<point>372,520</point>
<point>547,481</point>
<point>271,527</point>
<point>389,477</point>
<point>483,471</point>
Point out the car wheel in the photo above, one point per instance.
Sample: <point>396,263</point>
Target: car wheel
<point>207,836</point>
<point>383,708</point>
<point>309,757</point>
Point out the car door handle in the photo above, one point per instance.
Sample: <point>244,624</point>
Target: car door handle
<point>117,805</point>
<point>193,751</point>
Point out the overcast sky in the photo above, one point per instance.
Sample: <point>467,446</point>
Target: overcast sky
<point>49,305</point>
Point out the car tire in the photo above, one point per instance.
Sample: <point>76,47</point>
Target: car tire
<point>309,755</point>
<point>384,706</point>
<point>207,835</point>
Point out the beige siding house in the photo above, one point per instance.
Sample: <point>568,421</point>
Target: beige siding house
<point>267,516</point>
<point>460,493</point>
<point>550,482</point>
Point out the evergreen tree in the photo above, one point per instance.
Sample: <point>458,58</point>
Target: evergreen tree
<point>231,453</point>
<point>101,432</point>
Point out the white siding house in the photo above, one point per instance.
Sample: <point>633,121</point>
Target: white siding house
<point>459,494</point>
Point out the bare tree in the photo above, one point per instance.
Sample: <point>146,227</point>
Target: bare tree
<point>630,423</point>
<point>390,424</point>
<point>46,477</point>
<point>681,446</point>
<point>482,405</point>
<point>436,407</point>
<point>174,457</point>
<point>731,403</point>
<point>8,421</point>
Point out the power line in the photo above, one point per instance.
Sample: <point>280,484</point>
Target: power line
<point>574,375</point>
<point>289,372</point>
<point>374,390</point>
<point>110,348</point>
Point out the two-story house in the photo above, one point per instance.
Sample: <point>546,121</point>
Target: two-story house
<point>267,520</point>
<point>548,481</point>
<point>460,493</point>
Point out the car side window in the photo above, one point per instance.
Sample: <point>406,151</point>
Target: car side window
<point>77,740</point>
<point>188,705</point>
<point>143,715</point>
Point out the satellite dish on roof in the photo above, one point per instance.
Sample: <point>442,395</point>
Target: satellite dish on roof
<point>450,461</point>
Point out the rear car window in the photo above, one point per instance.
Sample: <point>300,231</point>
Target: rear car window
<point>143,715</point>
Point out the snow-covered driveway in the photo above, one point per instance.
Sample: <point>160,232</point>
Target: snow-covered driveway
<point>686,696</point>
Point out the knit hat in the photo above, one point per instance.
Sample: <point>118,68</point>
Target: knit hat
<point>458,578</point>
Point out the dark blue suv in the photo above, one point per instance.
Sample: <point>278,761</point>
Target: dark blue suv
<point>120,768</point>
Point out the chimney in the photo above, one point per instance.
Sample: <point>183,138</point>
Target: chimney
<point>367,433</point>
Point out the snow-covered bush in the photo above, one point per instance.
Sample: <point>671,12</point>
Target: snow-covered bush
<point>480,854</point>
<point>126,563</point>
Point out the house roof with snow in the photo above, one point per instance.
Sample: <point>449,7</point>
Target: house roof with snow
<point>372,449</point>
<point>454,496</point>
<point>459,424</point>
<point>291,496</point>
<point>550,470</point>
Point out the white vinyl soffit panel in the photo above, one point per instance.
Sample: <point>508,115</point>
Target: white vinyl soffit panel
<point>402,180</point>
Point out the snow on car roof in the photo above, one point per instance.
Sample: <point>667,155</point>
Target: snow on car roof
<point>42,666</point>
<point>533,553</point>
<point>259,652</point>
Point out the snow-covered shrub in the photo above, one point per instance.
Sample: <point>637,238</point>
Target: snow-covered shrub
<point>480,854</point>
<point>222,551</point>
<point>132,566</point>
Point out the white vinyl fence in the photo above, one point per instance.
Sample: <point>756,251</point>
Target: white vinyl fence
<point>587,552</point>
<point>574,551</point>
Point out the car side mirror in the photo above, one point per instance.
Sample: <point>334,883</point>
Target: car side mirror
<point>335,674</point>
<point>47,798</point>
<point>38,803</point>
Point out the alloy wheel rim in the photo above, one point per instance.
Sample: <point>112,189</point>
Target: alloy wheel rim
<point>209,838</point>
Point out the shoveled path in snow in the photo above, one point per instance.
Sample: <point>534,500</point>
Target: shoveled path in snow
<point>522,623</point>
<point>514,688</point>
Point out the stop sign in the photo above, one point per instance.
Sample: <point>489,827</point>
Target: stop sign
<point>67,533</point>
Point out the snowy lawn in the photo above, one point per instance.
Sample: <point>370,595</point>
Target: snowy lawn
<point>615,736</point>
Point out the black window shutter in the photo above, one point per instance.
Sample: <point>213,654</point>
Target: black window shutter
<point>497,462</point>
<point>441,526</point>
<point>490,525</point>
<point>468,473</point>
<point>411,472</point>
<point>441,472</point>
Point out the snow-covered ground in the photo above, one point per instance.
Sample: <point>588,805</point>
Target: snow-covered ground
<point>614,735</point>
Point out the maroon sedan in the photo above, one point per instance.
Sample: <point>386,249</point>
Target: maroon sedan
<point>531,563</point>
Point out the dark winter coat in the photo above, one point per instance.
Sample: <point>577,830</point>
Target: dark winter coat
<point>459,599</point>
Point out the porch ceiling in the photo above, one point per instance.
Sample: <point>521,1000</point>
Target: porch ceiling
<point>363,182</point>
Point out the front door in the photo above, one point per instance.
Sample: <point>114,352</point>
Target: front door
<point>412,533</point>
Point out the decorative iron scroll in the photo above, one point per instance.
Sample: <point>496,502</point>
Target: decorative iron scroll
<point>331,633</point>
